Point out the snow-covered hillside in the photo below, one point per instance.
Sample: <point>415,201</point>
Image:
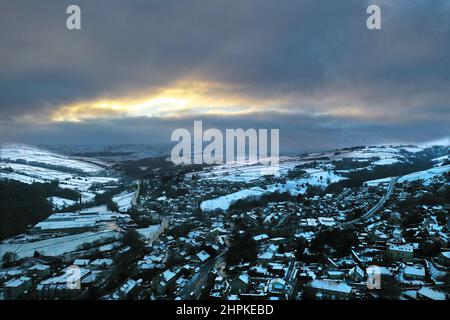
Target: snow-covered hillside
<point>29,164</point>
<point>321,169</point>
<point>14,152</point>
<point>425,175</point>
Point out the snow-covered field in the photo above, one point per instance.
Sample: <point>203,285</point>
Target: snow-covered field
<point>150,232</point>
<point>321,175</point>
<point>440,160</point>
<point>316,177</point>
<point>224,202</point>
<point>426,176</point>
<point>124,200</point>
<point>58,246</point>
<point>23,152</point>
<point>387,155</point>
<point>31,173</point>
<point>386,161</point>
<point>246,171</point>
<point>59,203</point>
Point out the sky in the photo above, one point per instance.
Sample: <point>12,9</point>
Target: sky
<point>139,69</point>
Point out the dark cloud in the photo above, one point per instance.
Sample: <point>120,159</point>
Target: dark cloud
<point>317,54</point>
<point>297,132</point>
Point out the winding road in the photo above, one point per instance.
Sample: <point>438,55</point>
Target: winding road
<point>377,207</point>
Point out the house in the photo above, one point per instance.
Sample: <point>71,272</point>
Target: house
<point>276,287</point>
<point>335,274</point>
<point>65,285</point>
<point>152,262</point>
<point>426,293</point>
<point>400,251</point>
<point>203,256</point>
<point>357,274</point>
<point>76,222</point>
<point>240,284</point>
<point>265,257</point>
<point>39,271</point>
<point>101,263</point>
<point>81,262</point>
<point>220,289</point>
<point>329,290</point>
<point>129,290</point>
<point>261,237</point>
<point>14,288</point>
<point>268,255</point>
<point>309,223</point>
<point>414,273</point>
<point>326,221</point>
<point>164,281</point>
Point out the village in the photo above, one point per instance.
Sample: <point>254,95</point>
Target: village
<point>386,239</point>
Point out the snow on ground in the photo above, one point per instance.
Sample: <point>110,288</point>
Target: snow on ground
<point>58,246</point>
<point>248,172</point>
<point>36,172</point>
<point>387,155</point>
<point>412,149</point>
<point>224,202</point>
<point>317,177</point>
<point>149,232</point>
<point>440,161</point>
<point>28,173</point>
<point>376,182</point>
<point>425,175</point>
<point>386,161</point>
<point>59,203</point>
<point>245,171</point>
<point>99,209</point>
<point>23,152</point>
<point>124,200</point>
<point>20,177</point>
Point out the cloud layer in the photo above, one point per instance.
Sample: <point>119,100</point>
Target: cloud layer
<point>309,66</point>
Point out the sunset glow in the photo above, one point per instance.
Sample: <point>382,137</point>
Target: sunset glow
<point>183,98</point>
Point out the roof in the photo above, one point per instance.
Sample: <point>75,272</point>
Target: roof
<point>415,270</point>
<point>326,221</point>
<point>401,247</point>
<point>244,278</point>
<point>268,255</point>
<point>129,285</point>
<point>168,275</point>
<point>259,237</point>
<point>101,262</point>
<point>17,282</point>
<point>81,262</point>
<point>356,270</point>
<point>277,284</point>
<point>431,294</point>
<point>39,267</point>
<point>328,285</point>
<point>203,255</point>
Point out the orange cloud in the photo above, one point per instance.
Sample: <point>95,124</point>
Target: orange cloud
<point>182,98</point>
